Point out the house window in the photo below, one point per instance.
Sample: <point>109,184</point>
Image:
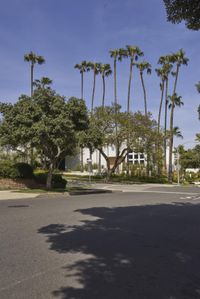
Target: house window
<point>136,156</point>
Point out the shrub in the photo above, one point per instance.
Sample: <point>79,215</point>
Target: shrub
<point>57,180</point>
<point>7,170</point>
<point>24,170</point>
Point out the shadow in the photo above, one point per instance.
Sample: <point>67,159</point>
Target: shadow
<point>18,206</point>
<point>140,252</point>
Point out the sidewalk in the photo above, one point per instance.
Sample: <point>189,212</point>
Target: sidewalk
<point>9,194</point>
<point>154,188</point>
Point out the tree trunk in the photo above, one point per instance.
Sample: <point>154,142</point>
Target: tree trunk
<point>129,85</point>
<point>165,125</point>
<point>82,85</point>
<point>171,141</point>
<point>161,103</point>
<point>32,66</point>
<point>115,81</point>
<point>99,166</point>
<point>104,90</point>
<point>144,91</point>
<point>81,154</point>
<point>93,92</point>
<point>49,177</point>
<point>145,111</point>
<point>128,108</point>
<point>159,158</point>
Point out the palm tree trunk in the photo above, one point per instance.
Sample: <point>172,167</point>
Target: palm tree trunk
<point>145,110</point>
<point>93,91</point>
<point>82,85</point>
<point>165,125</point>
<point>161,102</point>
<point>115,81</point>
<point>128,109</point>
<point>145,95</point>
<point>171,141</point>
<point>129,85</point>
<point>31,149</point>
<point>104,90</point>
<point>32,66</point>
<point>159,118</point>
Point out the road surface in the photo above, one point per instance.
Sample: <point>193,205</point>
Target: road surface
<point>141,245</point>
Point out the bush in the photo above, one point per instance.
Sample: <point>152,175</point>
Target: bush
<point>24,170</point>
<point>57,180</point>
<point>7,170</point>
<point>15,171</point>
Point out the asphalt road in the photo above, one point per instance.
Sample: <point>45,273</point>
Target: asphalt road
<point>120,245</point>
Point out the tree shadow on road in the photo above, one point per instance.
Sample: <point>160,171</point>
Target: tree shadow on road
<point>140,252</point>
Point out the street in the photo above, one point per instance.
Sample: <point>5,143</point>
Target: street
<point>141,245</point>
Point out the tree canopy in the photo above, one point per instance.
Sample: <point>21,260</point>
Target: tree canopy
<point>46,121</point>
<point>184,10</point>
<point>109,126</point>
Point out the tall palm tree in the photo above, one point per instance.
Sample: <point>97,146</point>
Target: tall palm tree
<point>167,67</point>
<point>161,73</point>
<point>44,82</point>
<point>175,101</point>
<point>82,67</point>
<point>94,66</point>
<point>33,59</point>
<point>178,59</point>
<point>105,71</point>
<point>115,54</point>
<point>132,52</point>
<point>142,67</point>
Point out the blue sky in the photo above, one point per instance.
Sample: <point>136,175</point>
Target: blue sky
<point>66,32</point>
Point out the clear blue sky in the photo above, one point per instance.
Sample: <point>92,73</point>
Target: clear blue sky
<point>66,32</point>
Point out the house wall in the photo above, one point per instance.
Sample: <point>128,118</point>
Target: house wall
<point>71,163</point>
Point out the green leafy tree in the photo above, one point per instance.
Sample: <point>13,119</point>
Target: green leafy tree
<point>184,10</point>
<point>46,120</point>
<point>33,59</point>
<point>102,133</point>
